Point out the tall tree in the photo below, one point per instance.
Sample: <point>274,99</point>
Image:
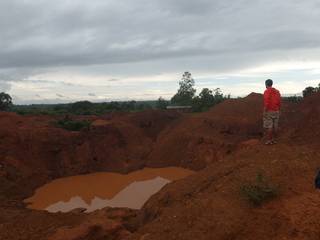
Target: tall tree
<point>206,97</point>
<point>218,96</point>
<point>186,90</point>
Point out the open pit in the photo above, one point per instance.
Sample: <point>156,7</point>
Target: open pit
<point>223,145</point>
<point>99,190</point>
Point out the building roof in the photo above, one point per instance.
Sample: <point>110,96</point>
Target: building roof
<point>179,107</point>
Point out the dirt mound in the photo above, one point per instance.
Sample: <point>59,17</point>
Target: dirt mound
<point>209,205</point>
<point>301,121</point>
<point>34,144</point>
<point>152,122</point>
<point>224,141</point>
<point>242,116</point>
<point>123,142</point>
<point>98,226</point>
<point>22,224</point>
<point>310,120</point>
<point>195,141</point>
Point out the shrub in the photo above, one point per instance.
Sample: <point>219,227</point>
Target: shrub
<point>73,125</point>
<point>82,107</point>
<point>259,191</point>
<point>293,99</point>
<point>162,103</point>
<point>310,90</point>
<point>5,101</point>
<point>207,99</point>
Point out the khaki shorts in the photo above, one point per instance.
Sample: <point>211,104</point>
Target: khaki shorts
<point>271,120</point>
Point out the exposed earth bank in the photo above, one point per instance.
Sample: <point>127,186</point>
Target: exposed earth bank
<point>223,145</point>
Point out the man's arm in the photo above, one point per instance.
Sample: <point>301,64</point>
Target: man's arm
<point>279,96</point>
<point>266,100</point>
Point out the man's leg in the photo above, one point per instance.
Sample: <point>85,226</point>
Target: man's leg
<point>267,124</point>
<point>275,126</point>
<point>269,136</point>
<point>275,133</point>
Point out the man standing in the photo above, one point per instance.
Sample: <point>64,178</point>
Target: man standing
<point>271,113</point>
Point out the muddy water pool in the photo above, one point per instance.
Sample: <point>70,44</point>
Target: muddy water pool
<point>99,190</point>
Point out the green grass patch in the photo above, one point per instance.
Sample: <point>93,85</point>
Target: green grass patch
<point>259,191</point>
<point>73,125</point>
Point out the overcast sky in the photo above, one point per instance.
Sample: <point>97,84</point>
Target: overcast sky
<point>62,51</point>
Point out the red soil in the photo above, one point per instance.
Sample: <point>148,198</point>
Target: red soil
<point>224,142</point>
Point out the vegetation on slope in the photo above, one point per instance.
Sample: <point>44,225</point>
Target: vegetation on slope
<point>259,191</point>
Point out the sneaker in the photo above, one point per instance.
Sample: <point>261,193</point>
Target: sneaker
<point>269,142</point>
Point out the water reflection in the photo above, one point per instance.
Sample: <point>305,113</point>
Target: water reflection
<point>133,196</point>
<point>99,190</point>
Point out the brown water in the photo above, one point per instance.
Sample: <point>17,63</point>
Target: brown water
<point>99,190</point>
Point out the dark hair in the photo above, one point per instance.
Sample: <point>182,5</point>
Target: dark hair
<point>269,83</point>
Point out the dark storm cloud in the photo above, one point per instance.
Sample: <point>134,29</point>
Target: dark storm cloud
<point>38,33</point>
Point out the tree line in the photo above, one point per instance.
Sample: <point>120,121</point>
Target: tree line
<point>185,96</point>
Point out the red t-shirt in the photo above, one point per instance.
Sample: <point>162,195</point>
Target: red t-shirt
<point>272,99</point>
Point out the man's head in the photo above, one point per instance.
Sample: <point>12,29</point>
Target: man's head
<point>269,83</point>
